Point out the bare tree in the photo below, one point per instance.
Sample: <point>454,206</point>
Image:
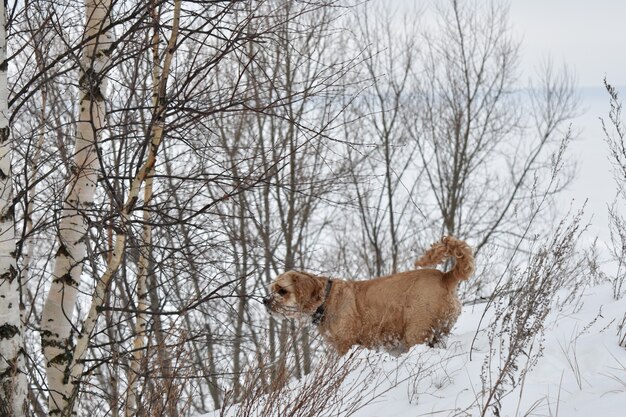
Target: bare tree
<point>274,225</point>
<point>381,155</point>
<point>160,72</point>
<point>127,158</point>
<point>472,123</point>
<point>59,307</point>
<point>13,390</point>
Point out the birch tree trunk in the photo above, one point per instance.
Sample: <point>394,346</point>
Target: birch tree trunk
<point>141,322</point>
<point>12,369</point>
<point>56,326</point>
<point>156,135</point>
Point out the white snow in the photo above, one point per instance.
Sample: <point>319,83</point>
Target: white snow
<point>580,373</point>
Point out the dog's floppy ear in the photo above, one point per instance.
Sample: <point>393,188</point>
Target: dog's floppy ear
<point>308,290</point>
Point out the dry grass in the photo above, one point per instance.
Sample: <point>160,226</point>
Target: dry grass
<point>515,336</point>
<point>615,138</point>
<point>337,386</point>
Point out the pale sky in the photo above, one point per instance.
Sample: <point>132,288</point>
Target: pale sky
<point>588,35</point>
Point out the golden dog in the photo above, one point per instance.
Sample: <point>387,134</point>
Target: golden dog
<point>393,312</point>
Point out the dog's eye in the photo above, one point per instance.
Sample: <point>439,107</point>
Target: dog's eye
<point>282,291</point>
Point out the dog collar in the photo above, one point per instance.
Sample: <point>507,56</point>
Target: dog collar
<point>318,316</point>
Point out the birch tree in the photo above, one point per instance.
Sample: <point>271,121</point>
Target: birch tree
<point>57,331</point>
<point>159,78</point>
<point>12,369</point>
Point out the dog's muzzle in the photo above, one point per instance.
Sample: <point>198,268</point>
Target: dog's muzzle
<point>267,301</point>
<point>270,305</point>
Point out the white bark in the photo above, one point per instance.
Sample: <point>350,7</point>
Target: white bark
<point>13,386</point>
<point>89,324</point>
<point>28,246</point>
<point>139,341</point>
<point>141,322</point>
<point>133,194</point>
<point>56,333</point>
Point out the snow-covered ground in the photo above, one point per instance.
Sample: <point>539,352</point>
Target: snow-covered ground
<point>581,371</point>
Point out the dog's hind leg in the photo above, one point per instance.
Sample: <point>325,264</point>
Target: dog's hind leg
<point>417,335</point>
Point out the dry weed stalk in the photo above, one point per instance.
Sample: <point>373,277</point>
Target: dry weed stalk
<point>165,367</point>
<point>337,386</point>
<point>516,334</point>
<point>614,137</point>
<point>621,332</point>
<point>430,374</point>
<point>571,357</point>
<point>320,393</point>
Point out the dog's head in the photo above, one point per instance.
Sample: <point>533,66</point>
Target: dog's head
<point>294,293</point>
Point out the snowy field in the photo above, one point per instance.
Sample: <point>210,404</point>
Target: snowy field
<point>574,367</point>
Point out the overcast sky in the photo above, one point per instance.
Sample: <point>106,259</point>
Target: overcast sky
<point>589,35</point>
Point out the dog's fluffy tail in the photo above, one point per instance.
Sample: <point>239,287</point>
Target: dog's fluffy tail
<point>450,247</point>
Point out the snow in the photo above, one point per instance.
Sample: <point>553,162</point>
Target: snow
<point>581,370</point>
